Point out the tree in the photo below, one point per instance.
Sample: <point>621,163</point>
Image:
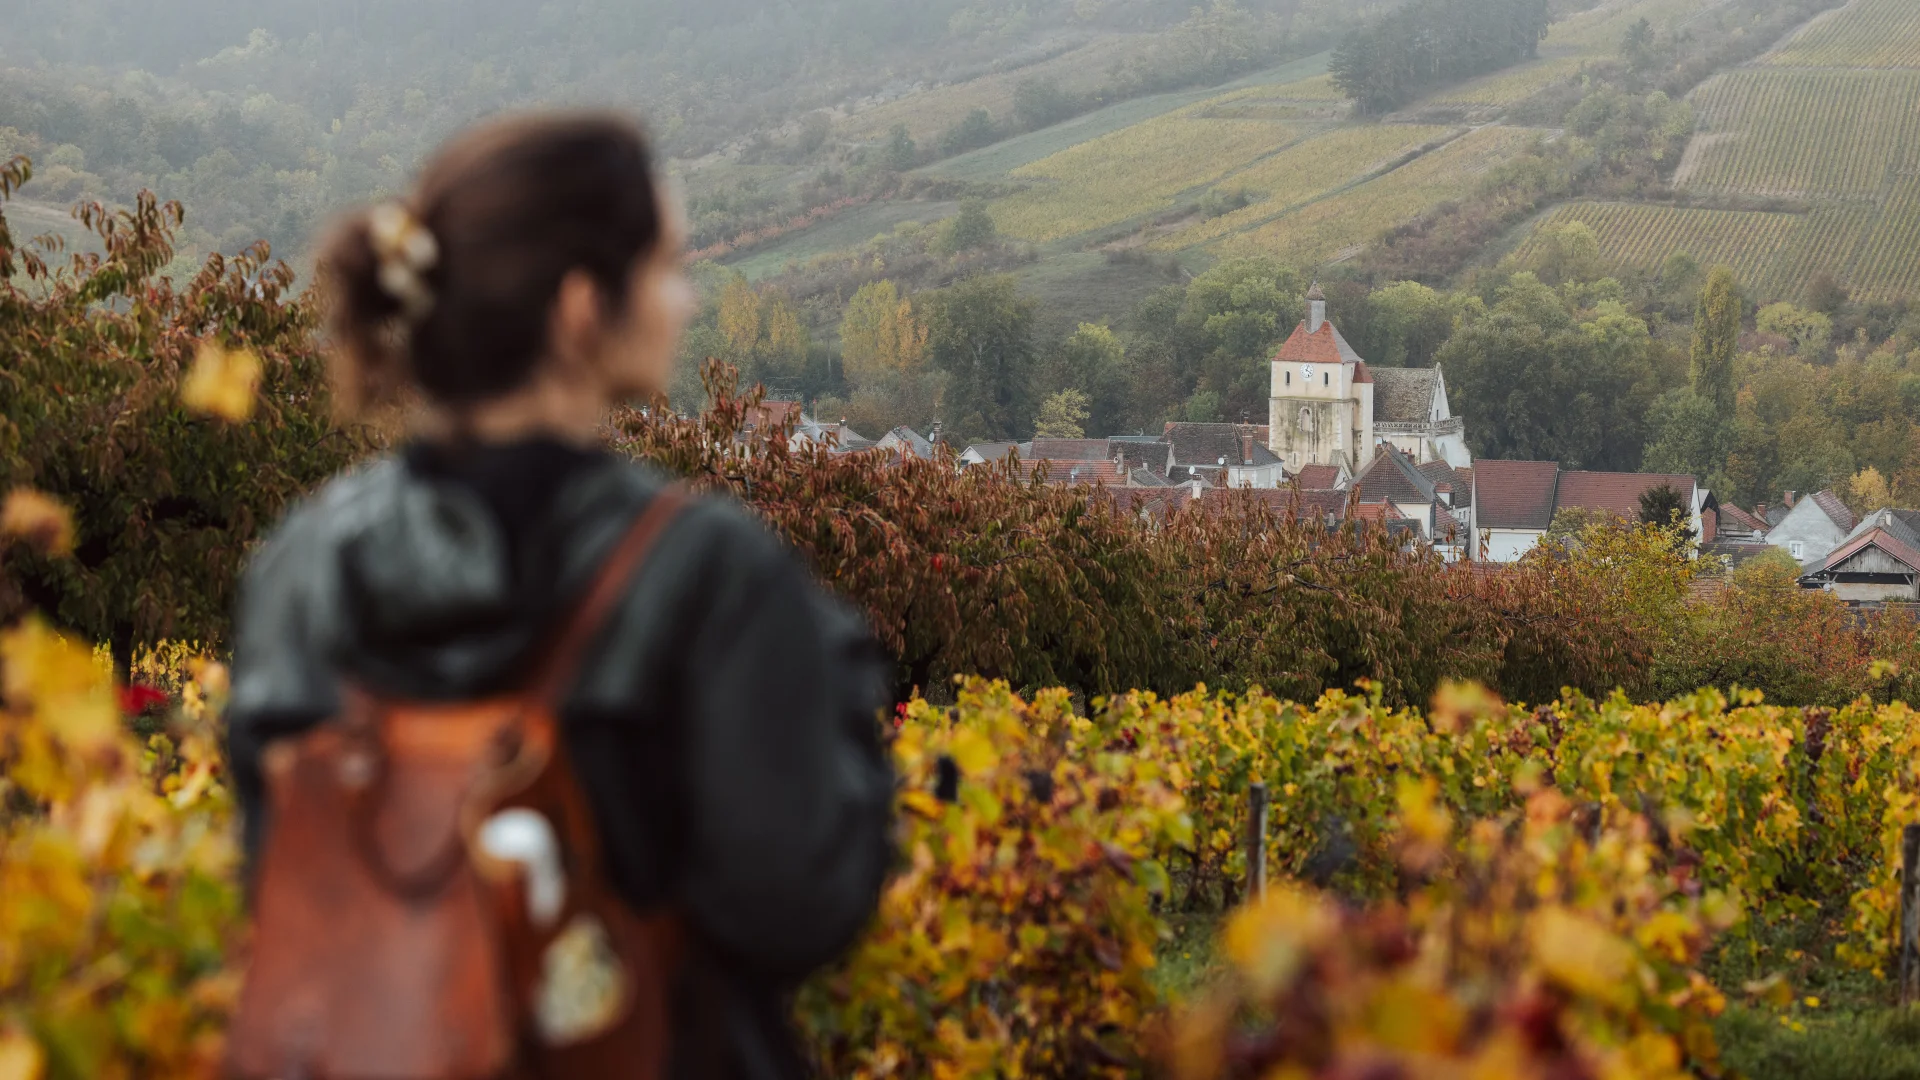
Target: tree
<point>1639,47</point>
<point>1569,252</point>
<point>1808,331</point>
<point>1866,492</point>
<point>901,153</point>
<point>880,333</point>
<point>1039,102</point>
<point>165,503</point>
<point>980,333</point>
<point>972,228</point>
<point>740,317</point>
<point>973,131</point>
<point>1061,416</point>
<point>1716,340</point>
<point>1409,324</point>
<point>1664,505</point>
<point>1092,360</point>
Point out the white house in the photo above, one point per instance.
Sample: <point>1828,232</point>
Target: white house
<point>1813,527</point>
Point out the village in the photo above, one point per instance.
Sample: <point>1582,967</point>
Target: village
<point>1382,448</point>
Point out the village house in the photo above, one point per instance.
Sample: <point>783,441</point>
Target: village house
<point>1513,503</point>
<point>1422,495</point>
<point>1878,562</point>
<point>1812,527</point>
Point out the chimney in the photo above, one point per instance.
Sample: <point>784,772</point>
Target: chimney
<point>933,438</point>
<point>1246,446</point>
<point>1316,309</point>
<point>1791,496</point>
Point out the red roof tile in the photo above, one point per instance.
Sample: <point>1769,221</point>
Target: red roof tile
<point>1617,493</point>
<point>1830,504</point>
<point>1733,515</point>
<point>1314,348</point>
<point>1069,450</point>
<point>1514,494</point>
<point>1319,477</point>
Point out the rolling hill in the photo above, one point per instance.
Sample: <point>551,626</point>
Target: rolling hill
<point>1806,160</point>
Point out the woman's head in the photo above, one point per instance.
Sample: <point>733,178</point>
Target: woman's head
<point>536,253</point>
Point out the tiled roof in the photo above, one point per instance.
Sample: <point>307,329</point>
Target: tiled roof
<point>1147,478</point>
<point>1075,472</point>
<point>1322,346</point>
<point>1153,455</point>
<point>1736,552</point>
<point>994,451</point>
<point>1392,475</point>
<point>1203,445</point>
<point>1404,395</point>
<point>1262,433</point>
<point>1617,493</point>
<point>772,414</point>
<point>1732,517</point>
<point>1070,449</point>
<point>1446,525</point>
<point>1837,511</point>
<point>1319,477</point>
<point>1283,503</point>
<point>1514,494</point>
<point>1886,538</point>
<point>907,440</point>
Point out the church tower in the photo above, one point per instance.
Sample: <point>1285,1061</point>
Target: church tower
<point>1320,409</point>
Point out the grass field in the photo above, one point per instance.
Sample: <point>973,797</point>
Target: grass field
<point>929,112</point>
<point>1864,34</point>
<point>1802,133</point>
<point>1133,172</point>
<point>996,161</point>
<point>1332,227</point>
<point>1600,29</point>
<point>849,230</point>
<point>1307,171</point>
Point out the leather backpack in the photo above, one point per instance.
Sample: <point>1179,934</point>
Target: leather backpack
<point>432,902</point>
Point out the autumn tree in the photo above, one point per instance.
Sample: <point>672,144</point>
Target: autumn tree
<point>1062,416</point>
<point>880,333</point>
<point>1867,491</point>
<point>764,334</point>
<point>165,501</point>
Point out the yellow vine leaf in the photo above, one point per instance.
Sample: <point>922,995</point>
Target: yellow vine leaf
<point>39,519</point>
<point>57,677</point>
<point>20,1057</point>
<point>1582,955</point>
<point>222,382</point>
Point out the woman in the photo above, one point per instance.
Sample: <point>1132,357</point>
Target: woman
<point>723,725</point>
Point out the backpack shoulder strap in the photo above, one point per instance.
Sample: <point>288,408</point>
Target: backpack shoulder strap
<point>556,672</point>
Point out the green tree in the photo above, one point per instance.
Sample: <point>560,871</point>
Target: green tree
<point>1808,331</point>
<point>1664,505</point>
<point>973,131</point>
<point>1062,416</point>
<point>1569,252</point>
<point>1091,360</point>
<point>901,153</point>
<point>1409,324</point>
<point>1716,340</point>
<point>969,230</point>
<point>980,333</point>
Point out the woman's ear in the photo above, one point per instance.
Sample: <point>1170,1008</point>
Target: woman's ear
<point>577,327</point>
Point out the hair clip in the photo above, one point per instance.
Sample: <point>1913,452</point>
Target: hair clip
<point>406,252</point>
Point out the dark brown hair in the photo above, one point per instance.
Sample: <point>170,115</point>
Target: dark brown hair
<point>512,207</point>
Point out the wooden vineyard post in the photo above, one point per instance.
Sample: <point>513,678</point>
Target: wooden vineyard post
<point>1256,841</point>
<point>1909,915</point>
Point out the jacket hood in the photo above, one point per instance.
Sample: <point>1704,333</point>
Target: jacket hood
<point>454,572</point>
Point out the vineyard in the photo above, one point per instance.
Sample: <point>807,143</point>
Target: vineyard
<point>1802,133</point>
<point>1308,170</point>
<point>1505,88</point>
<point>1520,891</point>
<point>1772,252</point>
<point>1888,267</point>
<point>1864,34</point>
<point>1132,172</point>
<point>1324,229</point>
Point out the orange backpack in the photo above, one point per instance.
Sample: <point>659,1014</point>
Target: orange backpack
<point>432,901</point>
